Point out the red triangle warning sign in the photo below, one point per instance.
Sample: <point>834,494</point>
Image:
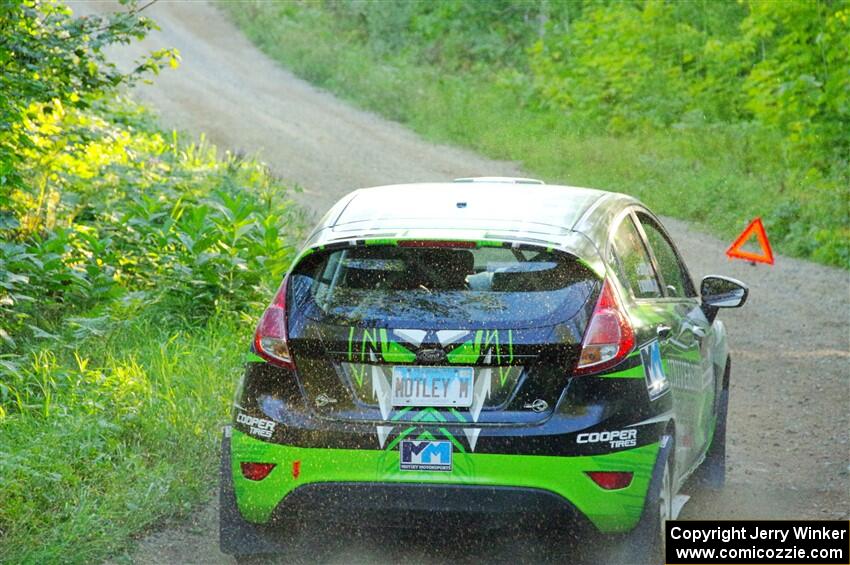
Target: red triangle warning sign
<point>736,250</point>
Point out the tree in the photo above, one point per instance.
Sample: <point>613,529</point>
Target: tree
<point>49,58</point>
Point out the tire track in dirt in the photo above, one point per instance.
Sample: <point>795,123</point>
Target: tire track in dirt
<point>790,402</point>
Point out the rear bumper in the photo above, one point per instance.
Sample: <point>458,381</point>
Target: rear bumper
<point>404,505</point>
<point>331,485</point>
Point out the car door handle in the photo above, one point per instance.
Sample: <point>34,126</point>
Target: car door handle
<point>664,332</point>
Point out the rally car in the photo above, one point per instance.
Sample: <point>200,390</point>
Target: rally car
<point>485,351</point>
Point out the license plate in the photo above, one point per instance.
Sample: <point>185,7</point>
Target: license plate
<point>432,386</point>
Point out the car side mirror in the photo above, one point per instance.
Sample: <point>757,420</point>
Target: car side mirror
<point>721,292</point>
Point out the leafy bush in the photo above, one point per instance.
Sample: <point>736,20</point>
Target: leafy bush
<point>630,65</point>
<point>132,264</point>
<point>121,209</point>
<point>49,58</point>
<point>780,64</point>
<point>102,204</point>
<point>131,217</point>
<point>127,312</point>
<point>714,112</point>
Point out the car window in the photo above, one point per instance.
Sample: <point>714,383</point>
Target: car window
<point>424,287</point>
<point>632,262</point>
<point>676,279</point>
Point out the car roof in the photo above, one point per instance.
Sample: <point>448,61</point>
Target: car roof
<point>570,218</point>
<point>493,204</point>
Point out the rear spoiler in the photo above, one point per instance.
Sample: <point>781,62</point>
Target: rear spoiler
<point>588,256</point>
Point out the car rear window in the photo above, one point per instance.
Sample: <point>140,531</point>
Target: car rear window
<point>423,287</point>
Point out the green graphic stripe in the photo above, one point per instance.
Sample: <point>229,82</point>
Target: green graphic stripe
<point>633,373</point>
<point>306,253</point>
<point>401,412</point>
<point>455,442</point>
<point>429,415</point>
<point>610,511</point>
<point>376,341</point>
<point>636,372</point>
<point>490,243</point>
<point>406,432</point>
<point>381,241</point>
<point>363,343</point>
<point>251,357</point>
<point>598,271</point>
<point>395,242</point>
<point>471,351</point>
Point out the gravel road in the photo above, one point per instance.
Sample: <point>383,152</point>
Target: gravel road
<point>790,403</point>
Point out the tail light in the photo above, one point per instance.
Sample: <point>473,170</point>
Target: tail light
<point>270,337</point>
<point>256,471</point>
<point>611,480</point>
<point>609,336</point>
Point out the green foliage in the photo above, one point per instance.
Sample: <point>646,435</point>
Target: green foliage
<point>103,204</point>
<point>50,58</point>
<point>439,32</point>
<point>619,68</point>
<point>125,431</point>
<point>800,80</point>
<point>714,112</point>
<point>626,66</point>
<point>132,265</point>
<point>127,292</point>
<point>121,209</point>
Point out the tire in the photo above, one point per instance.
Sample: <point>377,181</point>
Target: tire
<point>711,474</point>
<point>644,545</point>
<point>236,536</point>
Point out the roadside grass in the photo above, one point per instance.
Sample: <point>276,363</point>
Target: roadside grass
<point>717,176</point>
<point>129,436</point>
<point>125,316</point>
<point>133,264</point>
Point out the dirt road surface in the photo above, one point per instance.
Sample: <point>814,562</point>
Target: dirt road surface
<point>790,404</point>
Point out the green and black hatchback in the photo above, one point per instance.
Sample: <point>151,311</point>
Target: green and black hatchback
<point>487,351</point>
